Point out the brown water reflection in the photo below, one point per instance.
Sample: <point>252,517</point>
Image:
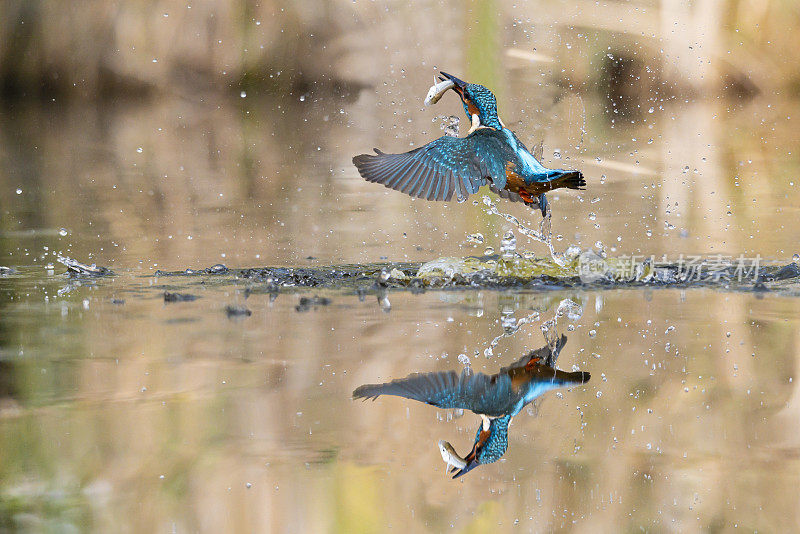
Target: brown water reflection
<point>177,418</point>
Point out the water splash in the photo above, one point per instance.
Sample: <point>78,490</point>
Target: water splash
<point>78,268</point>
<point>510,326</point>
<point>543,235</point>
<point>475,239</point>
<point>567,307</point>
<point>450,124</point>
<point>508,246</point>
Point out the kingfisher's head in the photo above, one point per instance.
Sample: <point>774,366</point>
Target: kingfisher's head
<point>491,443</point>
<point>477,99</point>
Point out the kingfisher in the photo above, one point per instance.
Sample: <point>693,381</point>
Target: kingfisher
<point>496,398</point>
<point>490,154</point>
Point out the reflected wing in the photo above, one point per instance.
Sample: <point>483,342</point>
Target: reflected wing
<point>489,395</point>
<point>442,168</point>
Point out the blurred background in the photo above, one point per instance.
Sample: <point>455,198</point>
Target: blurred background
<point>187,133</point>
<point>170,135</point>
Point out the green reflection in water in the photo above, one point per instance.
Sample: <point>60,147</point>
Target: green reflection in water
<point>358,499</point>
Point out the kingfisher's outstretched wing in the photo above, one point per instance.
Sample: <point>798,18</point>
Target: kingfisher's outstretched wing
<point>482,394</point>
<point>502,394</point>
<point>443,167</point>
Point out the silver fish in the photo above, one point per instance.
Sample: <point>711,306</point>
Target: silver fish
<point>450,456</point>
<point>437,90</point>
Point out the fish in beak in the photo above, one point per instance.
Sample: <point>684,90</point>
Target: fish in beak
<point>437,90</point>
<point>446,81</point>
<point>450,456</point>
<point>471,459</point>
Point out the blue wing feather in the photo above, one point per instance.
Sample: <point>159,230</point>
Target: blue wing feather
<point>482,394</point>
<point>443,167</point>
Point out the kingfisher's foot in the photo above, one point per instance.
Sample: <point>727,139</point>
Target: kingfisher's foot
<point>539,202</point>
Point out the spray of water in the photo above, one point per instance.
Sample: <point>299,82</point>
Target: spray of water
<point>567,307</point>
<point>543,235</point>
<point>510,326</point>
<point>449,123</point>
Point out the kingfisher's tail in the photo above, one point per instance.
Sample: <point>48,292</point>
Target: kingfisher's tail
<point>577,377</point>
<point>570,180</point>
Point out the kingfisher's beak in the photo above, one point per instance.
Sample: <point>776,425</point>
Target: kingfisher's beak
<point>471,459</point>
<point>472,464</point>
<point>458,85</point>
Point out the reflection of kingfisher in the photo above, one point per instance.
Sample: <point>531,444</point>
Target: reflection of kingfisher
<point>489,154</point>
<point>495,398</point>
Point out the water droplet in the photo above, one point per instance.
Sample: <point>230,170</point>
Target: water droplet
<point>489,251</point>
<point>475,238</point>
<point>796,258</point>
<point>651,110</point>
<point>669,329</point>
<point>463,359</point>
<point>572,252</point>
<point>139,150</point>
<point>450,125</point>
<point>63,232</point>
<point>592,333</point>
<point>592,216</point>
<point>302,98</point>
<point>19,191</point>
<point>570,308</point>
<point>556,153</point>
<point>595,200</point>
<point>384,303</point>
<point>243,94</point>
<point>508,246</point>
<point>727,334</point>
